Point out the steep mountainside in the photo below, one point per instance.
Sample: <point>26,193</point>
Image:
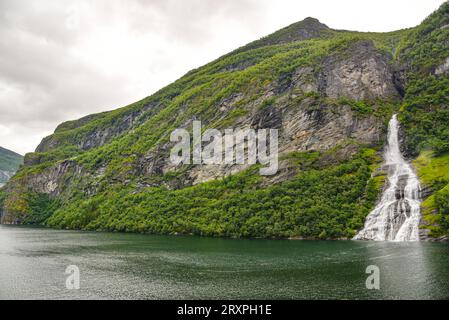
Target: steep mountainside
<point>330,93</point>
<point>9,163</point>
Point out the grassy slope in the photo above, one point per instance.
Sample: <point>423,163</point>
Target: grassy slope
<point>433,172</point>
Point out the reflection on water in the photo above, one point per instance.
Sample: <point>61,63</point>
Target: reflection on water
<point>126,266</point>
<point>405,270</point>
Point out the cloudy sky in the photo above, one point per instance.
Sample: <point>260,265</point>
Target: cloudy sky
<point>62,59</point>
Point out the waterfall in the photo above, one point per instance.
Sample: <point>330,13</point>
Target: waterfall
<point>397,216</point>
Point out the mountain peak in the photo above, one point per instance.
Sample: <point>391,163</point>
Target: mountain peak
<point>309,28</point>
<point>312,20</point>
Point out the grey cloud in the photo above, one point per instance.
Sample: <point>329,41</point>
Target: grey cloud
<point>42,82</point>
<point>53,66</point>
<point>191,21</point>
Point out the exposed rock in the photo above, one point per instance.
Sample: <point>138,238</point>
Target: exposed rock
<point>443,68</point>
<point>364,74</point>
<point>326,127</point>
<point>305,80</point>
<point>99,135</point>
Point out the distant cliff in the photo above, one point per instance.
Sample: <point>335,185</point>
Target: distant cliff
<point>9,164</point>
<point>330,93</point>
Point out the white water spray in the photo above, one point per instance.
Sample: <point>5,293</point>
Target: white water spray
<point>397,216</point>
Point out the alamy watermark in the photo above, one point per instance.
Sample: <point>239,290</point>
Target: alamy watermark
<point>373,281</point>
<point>73,280</point>
<point>215,148</point>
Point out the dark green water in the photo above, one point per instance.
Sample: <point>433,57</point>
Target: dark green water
<point>126,266</point>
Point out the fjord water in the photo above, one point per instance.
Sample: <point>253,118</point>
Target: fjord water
<point>128,266</point>
<point>397,216</point>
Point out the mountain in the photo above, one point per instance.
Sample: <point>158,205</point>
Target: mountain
<point>330,93</point>
<point>9,163</point>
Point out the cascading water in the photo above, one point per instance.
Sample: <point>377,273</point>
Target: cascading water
<point>397,216</point>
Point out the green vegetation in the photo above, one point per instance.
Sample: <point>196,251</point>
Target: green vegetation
<point>327,202</point>
<point>32,207</point>
<point>433,172</point>
<point>425,113</point>
<point>3,196</point>
<point>41,207</point>
<point>362,107</point>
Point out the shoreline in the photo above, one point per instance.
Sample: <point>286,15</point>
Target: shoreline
<point>444,239</point>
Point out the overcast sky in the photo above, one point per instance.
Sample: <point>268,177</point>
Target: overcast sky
<point>63,59</point>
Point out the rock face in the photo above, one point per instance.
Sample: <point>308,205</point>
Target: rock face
<point>443,68</point>
<point>365,74</point>
<point>96,136</point>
